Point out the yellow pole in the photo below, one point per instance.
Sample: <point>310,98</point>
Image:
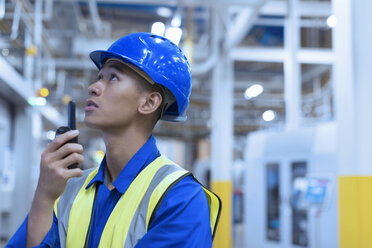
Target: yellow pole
<point>223,235</point>
<point>355,215</point>
<point>353,103</point>
<point>222,134</point>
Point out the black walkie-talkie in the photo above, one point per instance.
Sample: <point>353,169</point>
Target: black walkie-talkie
<point>71,125</point>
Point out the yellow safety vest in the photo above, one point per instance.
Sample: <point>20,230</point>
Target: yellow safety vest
<point>132,214</point>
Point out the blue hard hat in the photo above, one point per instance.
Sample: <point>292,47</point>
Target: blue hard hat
<point>161,60</point>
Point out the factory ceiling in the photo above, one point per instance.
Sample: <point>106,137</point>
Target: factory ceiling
<point>54,38</point>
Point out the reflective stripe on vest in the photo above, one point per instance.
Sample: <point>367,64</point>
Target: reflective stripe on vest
<point>134,211</point>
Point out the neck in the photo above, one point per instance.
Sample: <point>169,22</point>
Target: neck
<point>120,148</point>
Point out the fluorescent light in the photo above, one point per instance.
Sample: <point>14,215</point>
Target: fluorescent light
<point>158,28</point>
<point>268,115</point>
<point>174,34</point>
<point>164,12</point>
<point>37,101</point>
<point>253,91</point>
<point>176,21</point>
<point>332,21</point>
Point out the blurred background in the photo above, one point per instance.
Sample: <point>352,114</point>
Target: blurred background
<point>279,118</point>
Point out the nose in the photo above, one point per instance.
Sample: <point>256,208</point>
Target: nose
<point>94,89</point>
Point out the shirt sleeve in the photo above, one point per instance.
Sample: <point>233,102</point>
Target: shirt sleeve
<point>182,219</point>
<point>19,239</point>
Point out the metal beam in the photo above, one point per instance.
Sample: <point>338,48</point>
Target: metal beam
<point>277,55</point>
<point>258,54</point>
<point>279,8</point>
<point>16,19</point>
<point>315,56</point>
<point>292,74</point>
<point>240,26</point>
<point>176,2</point>
<point>270,55</point>
<point>10,77</point>
<point>312,8</point>
<point>96,20</point>
<point>21,90</point>
<point>209,63</point>
<point>275,8</point>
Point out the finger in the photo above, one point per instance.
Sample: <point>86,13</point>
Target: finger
<point>67,149</point>
<point>73,158</point>
<point>61,139</point>
<point>77,172</point>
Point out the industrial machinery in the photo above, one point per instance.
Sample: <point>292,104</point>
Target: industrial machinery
<point>290,188</point>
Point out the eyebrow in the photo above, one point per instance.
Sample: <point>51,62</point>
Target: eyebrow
<point>116,66</point>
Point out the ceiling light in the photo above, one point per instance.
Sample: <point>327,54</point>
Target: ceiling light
<point>253,91</point>
<point>174,34</point>
<point>176,21</point>
<point>164,12</point>
<point>158,28</point>
<point>332,21</point>
<point>268,115</point>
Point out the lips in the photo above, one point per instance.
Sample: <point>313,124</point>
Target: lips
<point>90,105</point>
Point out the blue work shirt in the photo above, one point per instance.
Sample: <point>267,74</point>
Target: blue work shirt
<point>182,219</point>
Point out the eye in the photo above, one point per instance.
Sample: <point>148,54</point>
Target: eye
<point>114,77</point>
<point>99,77</point>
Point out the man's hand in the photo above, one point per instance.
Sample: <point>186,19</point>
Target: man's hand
<point>55,159</point>
<point>54,174</point>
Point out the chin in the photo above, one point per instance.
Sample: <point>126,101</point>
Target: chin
<point>90,123</point>
<point>96,125</point>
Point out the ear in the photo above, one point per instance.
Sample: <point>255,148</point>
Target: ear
<point>150,103</point>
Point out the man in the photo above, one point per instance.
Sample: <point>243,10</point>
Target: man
<point>137,197</point>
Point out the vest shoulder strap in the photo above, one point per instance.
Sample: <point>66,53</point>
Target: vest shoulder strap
<point>63,204</point>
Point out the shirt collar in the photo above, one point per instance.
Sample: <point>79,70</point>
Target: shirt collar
<point>144,156</point>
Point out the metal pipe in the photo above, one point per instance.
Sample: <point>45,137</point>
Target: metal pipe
<point>38,40</point>
<point>95,17</point>
<point>28,67</point>
<point>30,23</point>
<point>292,81</point>
<point>199,69</point>
<point>48,10</point>
<point>2,9</point>
<point>82,26</point>
<point>242,24</point>
<point>16,19</point>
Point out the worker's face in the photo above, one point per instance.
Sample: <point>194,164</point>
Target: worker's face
<point>116,97</point>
